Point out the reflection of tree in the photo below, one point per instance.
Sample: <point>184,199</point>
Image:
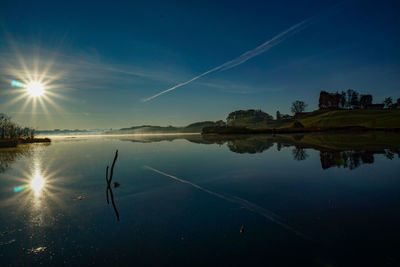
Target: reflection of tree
<point>250,145</point>
<point>336,150</point>
<point>279,146</point>
<point>299,153</point>
<point>10,155</point>
<point>347,159</point>
<point>389,154</point>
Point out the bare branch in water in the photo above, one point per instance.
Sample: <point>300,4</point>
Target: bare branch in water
<point>109,191</point>
<point>108,201</point>
<point>112,166</point>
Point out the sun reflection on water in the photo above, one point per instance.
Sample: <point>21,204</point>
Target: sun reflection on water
<point>37,189</point>
<point>37,183</point>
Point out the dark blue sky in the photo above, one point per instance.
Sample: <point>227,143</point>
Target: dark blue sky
<point>108,56</point>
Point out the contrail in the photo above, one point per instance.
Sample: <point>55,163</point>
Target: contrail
<point>242,58</point>
<point>246,204</point>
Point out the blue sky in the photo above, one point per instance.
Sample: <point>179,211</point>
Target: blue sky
<point>109,56</point>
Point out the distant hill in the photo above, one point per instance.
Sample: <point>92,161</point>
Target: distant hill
<point>151,129</point>
<point>68,132</point>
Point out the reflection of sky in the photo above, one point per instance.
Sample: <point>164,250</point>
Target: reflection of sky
<point>167,218</point>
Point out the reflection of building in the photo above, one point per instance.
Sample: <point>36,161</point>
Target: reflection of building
<point>335,150</point>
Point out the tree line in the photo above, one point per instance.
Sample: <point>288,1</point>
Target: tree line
<point>258,114</point>
<point>351,99</point>
<point>11,130</point>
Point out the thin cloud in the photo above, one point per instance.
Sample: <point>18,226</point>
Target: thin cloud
<point>242,58</point>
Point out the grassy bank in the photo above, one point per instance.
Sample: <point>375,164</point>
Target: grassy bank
<point>338,120</point>
<point>16,141</point>
<point>371,119</point>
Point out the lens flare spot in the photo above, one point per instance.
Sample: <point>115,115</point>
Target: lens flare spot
<point>15,83</point>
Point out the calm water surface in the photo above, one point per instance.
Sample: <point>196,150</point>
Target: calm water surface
<point>190,201</point>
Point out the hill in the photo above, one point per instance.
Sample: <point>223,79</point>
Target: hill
<point>150,129</point>
<point>342,120</point>
<point>372,119</point>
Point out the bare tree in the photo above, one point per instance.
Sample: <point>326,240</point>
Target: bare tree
<point>298,106</point>
<point>388,102</point>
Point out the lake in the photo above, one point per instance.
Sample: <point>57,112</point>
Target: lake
<point>314,200</point>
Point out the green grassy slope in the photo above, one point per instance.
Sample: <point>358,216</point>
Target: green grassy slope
<point>365,118</point>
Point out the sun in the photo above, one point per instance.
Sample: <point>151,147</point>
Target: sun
<point>36,85</point>
<point>35,88</point>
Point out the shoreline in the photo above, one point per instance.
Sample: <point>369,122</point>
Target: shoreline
<point>9,143</point>
<point>232,130</point>
<point>120,135</point>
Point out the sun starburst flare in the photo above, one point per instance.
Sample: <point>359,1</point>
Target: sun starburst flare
<point>35,85</point>
<point>38,190</point>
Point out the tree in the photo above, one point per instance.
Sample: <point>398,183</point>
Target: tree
<point>388,102</point>
<point>354,100</point>
<point>278,115</point>
<point>298,106</point>
<point>343,99</point>
<point>349,95</point>
<point>365,101</point>
<point>220,123</point>
<point>10,130</point>
<point>258,115</point>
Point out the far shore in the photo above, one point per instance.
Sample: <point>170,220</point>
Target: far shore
<point>234,130</point>
<point>119,135</point>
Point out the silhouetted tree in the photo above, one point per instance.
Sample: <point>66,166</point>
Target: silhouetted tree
<point>278,115</point>
<point>354,100</point>
<point>365,101</point>
<point>259,115</point>
<point>349,95</point>
<point>10,130</point>
<point>343,99</point>
<point>388,102</point>
<point>298,106</point>
<point>220,123</point>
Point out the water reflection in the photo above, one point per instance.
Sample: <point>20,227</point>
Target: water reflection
<point>10,155</point>
<point>349,150</point>
<point>336,150</point>
<point>240,201</point>
<point>299,154</point>
<point>35,190</point>
<point>37,183</point>
<point>34,180</point>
